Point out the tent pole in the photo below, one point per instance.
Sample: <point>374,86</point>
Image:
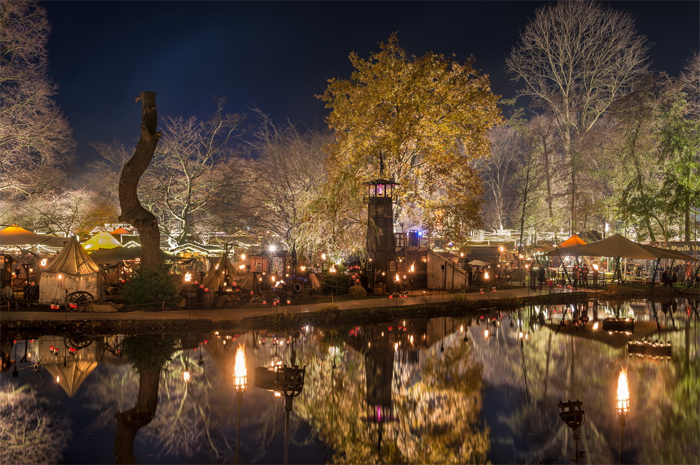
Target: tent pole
<point>566,273</point>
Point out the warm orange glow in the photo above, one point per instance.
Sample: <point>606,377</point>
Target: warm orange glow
<point>412,269</point>
<point>623,393</point>
<point>595,326</point>
<point>398,279</point>
<point>323,256</point>
<point>43,262</point>
<point>240,374</point>
<point>186,376</point>
<point>242,256</point>
<point>486,275</point>
<point>188,277</point>
<point>486,334</point>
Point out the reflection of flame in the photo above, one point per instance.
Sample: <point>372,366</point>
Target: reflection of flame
<point>239,371</point>
<point>623,392</point>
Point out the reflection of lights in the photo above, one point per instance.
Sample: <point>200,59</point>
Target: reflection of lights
<point>595,326</point>
<point>486,334</point>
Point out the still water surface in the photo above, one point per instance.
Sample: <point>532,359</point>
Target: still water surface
<point>410,391</point>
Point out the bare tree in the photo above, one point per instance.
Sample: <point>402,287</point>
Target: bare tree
<point>34,135</point>
<point>67,212</point>
<point>575,59</point>
<point>195,165</point>
<point>497,171</point>
<point>287,176</point>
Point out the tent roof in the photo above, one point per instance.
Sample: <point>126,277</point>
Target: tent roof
<point>15,235</point>
<point>72,261</point>
<point>101,240</point>
<point>118,254</point>
<point>120,231</point>
<point>619,246</point>
<point>573,240</point>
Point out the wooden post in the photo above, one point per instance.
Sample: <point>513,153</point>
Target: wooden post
<point>132,211</point>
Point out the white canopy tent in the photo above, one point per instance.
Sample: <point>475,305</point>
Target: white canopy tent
<point>70,271</point>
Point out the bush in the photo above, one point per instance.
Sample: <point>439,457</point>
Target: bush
<point>149,287</point>
<point>358,291</point>
<point>335,283</point>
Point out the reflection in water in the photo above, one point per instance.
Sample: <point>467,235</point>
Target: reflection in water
<point>415,391</point>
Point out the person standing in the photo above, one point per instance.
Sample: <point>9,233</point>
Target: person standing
<point>540,276</point>
<point>584,276</point>
<point>576,272</point>
<point>595,276</point>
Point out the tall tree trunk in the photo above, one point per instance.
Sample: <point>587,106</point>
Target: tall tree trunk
<point>132,210</point>
<point>130,421</point>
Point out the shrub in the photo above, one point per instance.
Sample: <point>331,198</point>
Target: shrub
<point>149,287</point>
<point>358,291</point>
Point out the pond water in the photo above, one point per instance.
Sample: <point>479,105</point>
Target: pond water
<point>439,390</point>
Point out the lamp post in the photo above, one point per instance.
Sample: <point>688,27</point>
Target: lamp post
<point>622,403</point>
<point>240,383</point>
<point>573,416</point>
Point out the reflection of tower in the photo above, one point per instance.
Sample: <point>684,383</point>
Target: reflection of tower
<point>381,246</point>
<point>379,368</point>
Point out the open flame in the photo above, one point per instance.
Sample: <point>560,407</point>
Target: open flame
<point>623,392</point>
<point>239,372</point>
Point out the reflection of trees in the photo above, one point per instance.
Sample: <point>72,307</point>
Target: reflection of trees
<point>533,376</point>
<point>436,405</point>
<point>29,433</point>
<point>149,354</point>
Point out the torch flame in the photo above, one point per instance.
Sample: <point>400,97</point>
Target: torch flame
<point>623,392</point>
<point>239,371</point>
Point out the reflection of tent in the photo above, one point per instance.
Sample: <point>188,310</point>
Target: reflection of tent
<point>71,370</point>
<point>619,247</point>
<point>573,240</point>
<point>71,270</point>
<point>616,340</point>
<point>118,254</point>
<point>101,240</point>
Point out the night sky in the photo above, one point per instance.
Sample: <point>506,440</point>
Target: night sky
<point>278,55</point>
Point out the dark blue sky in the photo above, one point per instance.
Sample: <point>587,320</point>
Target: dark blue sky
<point>277,55</point>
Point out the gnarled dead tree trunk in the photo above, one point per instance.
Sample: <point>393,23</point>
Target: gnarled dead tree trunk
<point>132,210</point>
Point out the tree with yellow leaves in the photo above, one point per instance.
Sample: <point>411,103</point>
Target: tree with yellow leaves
<point>428,118</point>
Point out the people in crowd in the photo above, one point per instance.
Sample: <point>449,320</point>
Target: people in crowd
<point>576,275</point>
